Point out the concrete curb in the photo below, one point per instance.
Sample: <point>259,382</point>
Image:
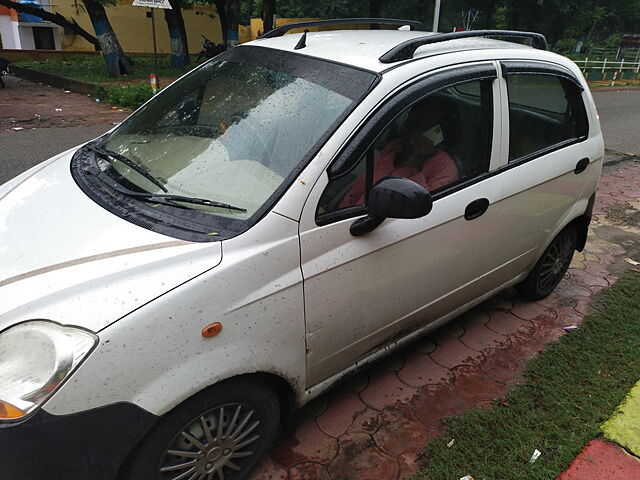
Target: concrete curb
<point>623,427</point>
<point>77,86</point>
<point>615,88</point>
<point>615,456</point>
<point>601,460</point>
<point>611,157</point>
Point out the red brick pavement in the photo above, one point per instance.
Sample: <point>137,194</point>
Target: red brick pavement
<point>375,426</point>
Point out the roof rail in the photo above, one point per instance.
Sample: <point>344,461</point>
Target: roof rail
<point>277,32</point>
<point>405,50</point>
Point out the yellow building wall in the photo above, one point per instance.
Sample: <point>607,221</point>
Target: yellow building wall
<point>133,28</point>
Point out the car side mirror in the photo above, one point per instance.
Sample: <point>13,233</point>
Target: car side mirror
<point>393,197</point>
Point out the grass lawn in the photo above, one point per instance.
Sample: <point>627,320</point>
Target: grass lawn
<point>570,389</point>
<point>92,68</point>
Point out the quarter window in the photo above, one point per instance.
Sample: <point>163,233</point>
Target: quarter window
<point>544,111</point>
<point>438,142</point>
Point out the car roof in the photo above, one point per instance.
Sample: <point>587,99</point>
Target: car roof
<point>362,48</point>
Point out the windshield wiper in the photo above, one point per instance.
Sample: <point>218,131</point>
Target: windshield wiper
<point>166,198</point>
<point>179,198</point>
<point>106,154</point>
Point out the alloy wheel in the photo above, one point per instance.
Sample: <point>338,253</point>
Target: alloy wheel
<point>213,446</point>
<point>555,263</point>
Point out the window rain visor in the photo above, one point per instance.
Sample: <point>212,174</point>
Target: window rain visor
<point>235,130</point>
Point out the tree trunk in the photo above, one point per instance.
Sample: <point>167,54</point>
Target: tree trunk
<point>178,34</point>
<point>268,11</point>
<point>374,8</point>
<point>117,63</point>
<point>53,18</point>
<point>514,17</point>
<point>221,9</point>
<point>233,18</point>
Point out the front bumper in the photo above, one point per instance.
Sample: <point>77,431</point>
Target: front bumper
<point>90,445</point>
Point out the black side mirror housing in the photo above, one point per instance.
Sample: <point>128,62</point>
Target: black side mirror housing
<point>393,197</point>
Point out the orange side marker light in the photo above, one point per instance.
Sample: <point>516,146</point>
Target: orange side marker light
<point>9,412</point>
<point>212,330</point>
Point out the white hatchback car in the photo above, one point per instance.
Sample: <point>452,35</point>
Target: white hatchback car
<point>275,220</point>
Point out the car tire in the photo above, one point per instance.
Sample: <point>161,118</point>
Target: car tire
<point>188,439</point>
<point>550,268</point>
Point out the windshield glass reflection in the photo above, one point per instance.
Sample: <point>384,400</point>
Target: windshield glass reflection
<point>230,132</point>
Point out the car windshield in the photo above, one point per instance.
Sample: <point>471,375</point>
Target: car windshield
<point>233,130</point>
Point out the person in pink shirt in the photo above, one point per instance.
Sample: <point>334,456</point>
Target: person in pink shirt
<point>414,156</point>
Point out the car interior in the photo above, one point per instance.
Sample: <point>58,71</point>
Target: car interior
<point>543,111</point>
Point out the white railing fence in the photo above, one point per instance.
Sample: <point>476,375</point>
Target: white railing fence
<point>605,69</point>
<point>615,53</point>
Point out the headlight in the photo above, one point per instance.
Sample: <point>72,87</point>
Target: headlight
<point>35,358</point>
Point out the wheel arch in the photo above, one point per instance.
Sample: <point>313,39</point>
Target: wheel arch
<point>284,391</point>
<point>581,224</point>
<point>581,227</point>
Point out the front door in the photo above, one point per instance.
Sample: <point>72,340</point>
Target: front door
<point>361,292</point>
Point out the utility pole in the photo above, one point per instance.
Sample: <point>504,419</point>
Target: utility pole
<point>436,16</point>
<point>155,49</point>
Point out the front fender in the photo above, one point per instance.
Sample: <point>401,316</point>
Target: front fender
<point>156,357</point>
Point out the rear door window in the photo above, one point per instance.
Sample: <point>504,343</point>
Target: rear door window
<point>545,112</point>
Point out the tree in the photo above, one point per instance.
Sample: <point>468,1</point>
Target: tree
<point>117,63</point>
<point>105,39</point>
<point>375,7</point>
<point>569,19</point>
<point>559,20</point>
<point>178,34</point>
<point>221,9</point>
<point>229,14</point>
<point>69,24</point>
<point>268,12</point>
<point>233,19</point>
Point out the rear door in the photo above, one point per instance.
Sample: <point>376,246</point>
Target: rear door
<point>550,157</point>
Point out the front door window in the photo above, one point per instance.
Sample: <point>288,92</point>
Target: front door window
<point>435,142</point>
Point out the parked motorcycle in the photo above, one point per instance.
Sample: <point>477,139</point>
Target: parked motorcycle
<point>4,69</point>
<point>210,49</point>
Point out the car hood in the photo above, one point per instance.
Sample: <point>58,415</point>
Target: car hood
<point>66,259</point>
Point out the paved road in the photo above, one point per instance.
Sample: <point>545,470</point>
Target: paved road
<point>620,119</point>
<point>619,115</point>
<point>23,149</point>
<point>37,122</point>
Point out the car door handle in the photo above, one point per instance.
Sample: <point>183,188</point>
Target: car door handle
<point>476,208</point>
<point>581,166</point>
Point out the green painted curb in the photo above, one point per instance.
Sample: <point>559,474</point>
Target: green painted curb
<point>623,427</point>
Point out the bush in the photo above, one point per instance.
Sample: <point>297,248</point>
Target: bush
<point>565,45</point>
<point>613,41</point>
<point>128,96</point>
<point>91,68</point>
